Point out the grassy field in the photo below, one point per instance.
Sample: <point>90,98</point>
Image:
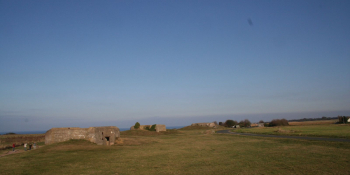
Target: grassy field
<point>19,139</point>
<point>316,130</point>
<point>183,152</point>
<point>317,122</point>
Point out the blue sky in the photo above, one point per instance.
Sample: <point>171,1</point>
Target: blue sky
<point>87,63</point>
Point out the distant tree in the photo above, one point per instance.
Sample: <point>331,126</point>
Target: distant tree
<point>279,122</point>
<point>137,125</point>
<point>10,133</point>
<point>220,123</point>
<point>244,123</point>
<point>215,122</point>
<point>261,121</point>
<point>343,119</point>
<point>230,123</point>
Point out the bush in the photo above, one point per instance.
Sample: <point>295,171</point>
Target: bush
<point>221,124</point>
<point>230,123</point>
<point>279,122</point>
<point>137,125</point>
<point>153,128</point>
<point>244,123</point>
<point>343,119</point>
<point>261,121</point>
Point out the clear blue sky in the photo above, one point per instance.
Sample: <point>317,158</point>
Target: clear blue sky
<point>86,63</point>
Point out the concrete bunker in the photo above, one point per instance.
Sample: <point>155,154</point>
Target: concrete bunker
<point>211,125</point>
<point>159,127</point>
<point>100,135</point>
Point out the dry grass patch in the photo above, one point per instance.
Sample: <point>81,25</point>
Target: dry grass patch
<point>319,122</point>
<point>329,130</point>
<point>6,141</point>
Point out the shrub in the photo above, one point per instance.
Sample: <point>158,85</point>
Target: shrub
<point>137,125</point>
<point>343,119</point>
<point>261,121</point>
<point>152,128</point>
<point>244,123</point>
<point>230,123</point>
<point>279,122</point>
<point>221,124</point>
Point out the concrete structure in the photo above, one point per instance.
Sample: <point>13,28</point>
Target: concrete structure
<point>159,127</point>
<point>212,125</point>
<point>99,135</point>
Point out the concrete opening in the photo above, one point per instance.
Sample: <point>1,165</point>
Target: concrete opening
<point>107,140</point>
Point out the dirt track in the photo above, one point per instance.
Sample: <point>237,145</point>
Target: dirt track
<point>12,152</point>
<point>286,137</point>
<point>17,150</point>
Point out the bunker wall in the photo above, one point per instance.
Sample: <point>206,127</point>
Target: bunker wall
<point>99,135</point>
<point>55,135</point>
<point>160,128</point>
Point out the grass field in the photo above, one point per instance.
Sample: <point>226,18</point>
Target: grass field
<point>183,152</point>
<point>317,130</point>
<point>317,122</point>
<point>19,139</point>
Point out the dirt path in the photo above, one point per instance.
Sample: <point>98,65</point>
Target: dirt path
<point>286,137</point>
<point>17,150</point>
<point>11,152</point>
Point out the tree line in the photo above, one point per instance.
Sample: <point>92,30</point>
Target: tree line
<point>247,123</point>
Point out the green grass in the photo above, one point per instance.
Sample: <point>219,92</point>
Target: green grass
<point>20,139</point>
<point>184,152</point>
<point>330,130</point>
<point>201,128</point>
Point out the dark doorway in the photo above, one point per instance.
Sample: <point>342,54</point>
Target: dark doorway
<point>107,140</point>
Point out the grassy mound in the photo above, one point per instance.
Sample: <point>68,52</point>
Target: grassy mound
<point>147,133</point>
<point>202,127</point>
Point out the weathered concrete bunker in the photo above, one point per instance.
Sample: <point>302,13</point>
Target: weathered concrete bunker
<point>158,128</point>
<point>212,125</point>
<point>100,135</point>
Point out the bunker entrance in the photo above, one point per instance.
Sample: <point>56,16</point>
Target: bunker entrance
<point>107,140</point>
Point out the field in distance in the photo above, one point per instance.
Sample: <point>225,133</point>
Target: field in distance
<point>325,128</point>
<point>190,151</point>
<point>316,122</point>
<point>6,141</point>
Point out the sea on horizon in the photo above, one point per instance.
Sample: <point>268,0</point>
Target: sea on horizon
<point>43,132</point>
